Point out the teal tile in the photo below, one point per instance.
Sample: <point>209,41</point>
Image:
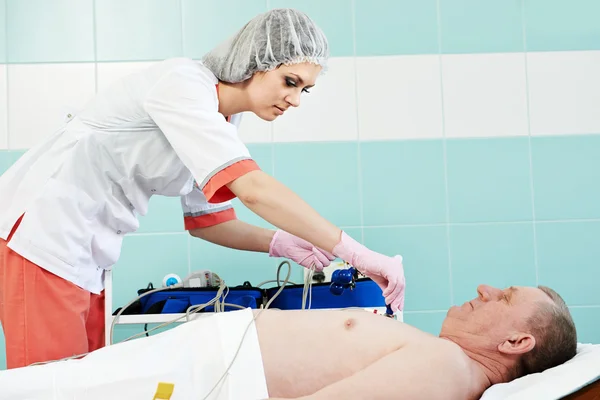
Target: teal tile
<point>50,31</point>
<point>262,154</point>
<point>8,158</point>
<point>425,258</point>
<point>334,17</point>
<point>237,266</point>
<point>566,176</point>
<point>394,27</point>
<point>586,323</point>
<point>126,331</point>
<point>138,30</point>
<point>554,25</point>
<point>206,23</point>
<point>403,182</point>
<point>2,31</point>
<point>325,175</point>
<point>2,350</point>
<point>430,322</point>
<point>356,234</point>
<point>568,254</point>
<point>481,26</point>
<point>488,180</point>
<point>498,255</point>
<point>164,215</point>
<point>123,332</point>
<point>147,259</point>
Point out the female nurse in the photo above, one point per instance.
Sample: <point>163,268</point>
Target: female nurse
<point>170,130</point>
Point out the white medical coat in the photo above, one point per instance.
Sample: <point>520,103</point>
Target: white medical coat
<point>157,132</point>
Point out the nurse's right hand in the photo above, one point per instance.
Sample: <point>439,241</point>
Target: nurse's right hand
<point>299,250</point>
<point>387,272</point>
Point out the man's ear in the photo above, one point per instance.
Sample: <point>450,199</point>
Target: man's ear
<point>518,343</point>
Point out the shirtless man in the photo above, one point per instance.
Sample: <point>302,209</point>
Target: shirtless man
<point>324,354</point>
<point>496,337</point>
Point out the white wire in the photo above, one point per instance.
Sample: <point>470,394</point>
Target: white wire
<point>219,306</point>
<point>250,324</point>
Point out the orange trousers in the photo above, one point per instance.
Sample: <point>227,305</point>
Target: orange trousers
<point>43,316</point>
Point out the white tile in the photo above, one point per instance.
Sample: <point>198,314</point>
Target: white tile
<point>109,73</point>
<point>39,95</point>
<point>399,97</point>
<point>484,95</point>
<point>327,113</point>
<point>254,129</point>
<point>3,109</point>
<point>564,92</point>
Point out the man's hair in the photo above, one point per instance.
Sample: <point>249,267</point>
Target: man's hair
<point>555,336</point>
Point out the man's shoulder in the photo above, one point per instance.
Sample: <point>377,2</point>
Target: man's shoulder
<point>449,354</point>
<point>456,366</point>
<point>446,360</point>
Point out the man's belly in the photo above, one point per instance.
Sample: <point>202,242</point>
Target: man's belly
<point>304,351</point>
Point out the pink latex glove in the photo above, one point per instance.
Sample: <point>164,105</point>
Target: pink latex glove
<point>299,250</point>
<point>387,272</point>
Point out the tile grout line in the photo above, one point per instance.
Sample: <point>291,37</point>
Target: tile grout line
<point>189,253</point>
<point>271,124</point>
<point>7,108</point>
<point>424,312</point>
<point>409,226</point>
<point>182,28</point>
<point>95,30</point>
<point>445,311</point>
<point>361,196</point>
<point>6,74</point>
<point>530,149</point>
<point>445,151</point>
<point>183,52</point>
<point>427,139</point>
<point>584,307</point>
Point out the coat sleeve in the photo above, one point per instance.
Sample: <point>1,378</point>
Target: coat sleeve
<point>184,105</point>
<point>199,213</point>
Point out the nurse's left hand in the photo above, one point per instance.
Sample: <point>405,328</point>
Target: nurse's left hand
<point>299,251</point>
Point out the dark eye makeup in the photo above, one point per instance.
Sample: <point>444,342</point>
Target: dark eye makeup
<point>291,82</point>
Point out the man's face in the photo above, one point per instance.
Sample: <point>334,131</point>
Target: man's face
<point>272,93</point>
<point>494,314</point>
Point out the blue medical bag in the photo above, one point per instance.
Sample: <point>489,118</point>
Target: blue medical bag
<point>173,301</point>
<point>366,293</point>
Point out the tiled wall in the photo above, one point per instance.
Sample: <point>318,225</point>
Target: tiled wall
<point>462,134</point>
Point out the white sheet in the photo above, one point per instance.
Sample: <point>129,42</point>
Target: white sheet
<point>554,383</point>
<point>192,357</point>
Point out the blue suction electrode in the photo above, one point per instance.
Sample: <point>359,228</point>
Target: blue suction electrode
<point>171,280</point>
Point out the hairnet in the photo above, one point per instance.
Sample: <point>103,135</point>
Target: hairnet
<point>279,36</point>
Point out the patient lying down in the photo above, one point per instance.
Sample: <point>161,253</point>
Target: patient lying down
<point>498,336</point>
<point>326,354</point>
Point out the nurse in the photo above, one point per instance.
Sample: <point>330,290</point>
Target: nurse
<point>170,130</point>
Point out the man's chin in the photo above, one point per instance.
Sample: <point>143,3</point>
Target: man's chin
<point>453,311</point>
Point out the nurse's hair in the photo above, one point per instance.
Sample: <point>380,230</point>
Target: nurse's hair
<point>277,37</point>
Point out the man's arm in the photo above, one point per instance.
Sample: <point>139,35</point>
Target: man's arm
<point>237,235</point>
<point>428,371</point>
